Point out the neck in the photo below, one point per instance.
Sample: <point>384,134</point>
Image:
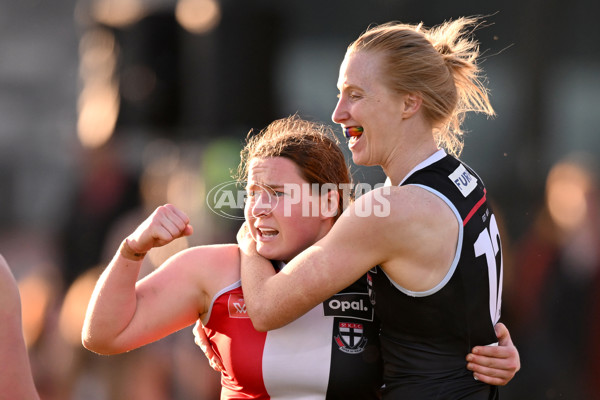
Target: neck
<point>414,142</point>
<point>407,158</point>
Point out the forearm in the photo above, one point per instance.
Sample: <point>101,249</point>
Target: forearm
<point>113,303</point>
<point>274,300</point>
<point>16,382</point>
<point>317,273</point>
<point>255,273</point>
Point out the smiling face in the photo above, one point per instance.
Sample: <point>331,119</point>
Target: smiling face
<point>366,102</point>
<point>276,209</point>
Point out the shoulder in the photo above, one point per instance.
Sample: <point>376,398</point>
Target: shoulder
<point>397,218</point>
<point>393,205</point>
<point>372,229</point>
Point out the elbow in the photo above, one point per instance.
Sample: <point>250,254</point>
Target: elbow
<point>96,345</point>
<point>260,326</point>
<point>263,323</point>
<point>90,344</point>
<point>88,339</point>
<point>99,348</point>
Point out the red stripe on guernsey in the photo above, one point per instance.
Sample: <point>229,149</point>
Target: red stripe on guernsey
<point>240,347</point>
<point>474,209</point>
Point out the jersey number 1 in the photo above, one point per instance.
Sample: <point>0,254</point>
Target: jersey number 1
<point>488,244</point>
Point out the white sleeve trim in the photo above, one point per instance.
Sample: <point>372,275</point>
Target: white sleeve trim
<point>450,272</point>
<point>216,296</point>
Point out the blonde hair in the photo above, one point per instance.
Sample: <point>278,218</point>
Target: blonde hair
<point>440,64</point>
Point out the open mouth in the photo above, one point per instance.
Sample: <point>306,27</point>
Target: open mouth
<point>267,232</point>
<point>353,131</point>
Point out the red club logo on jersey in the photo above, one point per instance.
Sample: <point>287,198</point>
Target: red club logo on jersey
<point>237,306</point>
<point>350,338</point>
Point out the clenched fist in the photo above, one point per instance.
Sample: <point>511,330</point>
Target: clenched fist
<point>164,225</point>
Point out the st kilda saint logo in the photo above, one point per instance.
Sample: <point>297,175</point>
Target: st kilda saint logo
<point>350,337</point>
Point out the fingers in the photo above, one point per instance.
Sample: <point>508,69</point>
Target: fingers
<point>174,222</point>
<point>486,374</point>
<point>202,341</point>
<point>216,364</point>
<point>495,357</point>
<point>490,380</point>
<point>495,365</point>
<point>166,224</point>
<point>493,371</point>
<point>506,349</point>
<point>491,354</point>
<point>246,242</point>
<point>503,335</point>
<point>243,233</point>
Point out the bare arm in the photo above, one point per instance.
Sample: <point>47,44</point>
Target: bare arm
<point>348,251</point>
<point>124,314</point>
<point>495,365</point>
<point>396,242</point>
<point>205,345</point>
<point>16,380</point>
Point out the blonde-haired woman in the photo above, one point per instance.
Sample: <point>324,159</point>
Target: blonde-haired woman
<point>434,259</point>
